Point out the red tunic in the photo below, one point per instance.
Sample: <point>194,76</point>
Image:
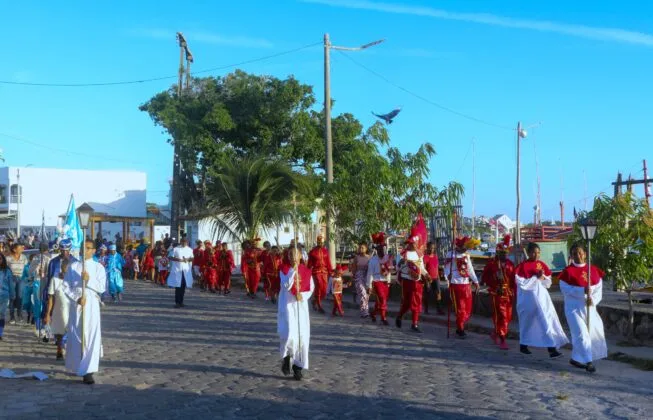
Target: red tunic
<point>431,264</point>
<point>148,260</point>
<point>304,278</point>
<point>271,264</point>
<point>577,276</point>
<point>319,261</point>
<point>496,278</point>
<point>198,257</point>
<point>529,268</point>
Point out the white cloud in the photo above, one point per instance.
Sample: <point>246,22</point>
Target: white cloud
<point>582,31</point>
<point>203,37</point>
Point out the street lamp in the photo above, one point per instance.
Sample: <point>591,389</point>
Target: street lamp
<point>327,129</point>
<point>588,229</point>
<point>521,134</point>
<point>84,216</point>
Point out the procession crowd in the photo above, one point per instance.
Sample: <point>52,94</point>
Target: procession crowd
<point>62,295</point>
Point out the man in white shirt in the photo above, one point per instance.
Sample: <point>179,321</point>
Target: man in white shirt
<point>181,272</point>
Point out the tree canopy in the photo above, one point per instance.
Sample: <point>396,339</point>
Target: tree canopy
<point>224,124</point>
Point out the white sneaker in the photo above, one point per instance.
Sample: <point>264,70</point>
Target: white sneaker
<point>267,298</point>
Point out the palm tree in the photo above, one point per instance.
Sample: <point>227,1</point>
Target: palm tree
<point>249,194</point>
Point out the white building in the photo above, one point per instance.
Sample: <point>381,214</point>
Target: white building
<point>46,193</point>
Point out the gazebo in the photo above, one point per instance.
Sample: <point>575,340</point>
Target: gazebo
<point>99,215</point>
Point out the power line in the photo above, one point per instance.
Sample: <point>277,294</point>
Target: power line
<point>69,152</point>
<point>422,98</point>
<point>155,79</point>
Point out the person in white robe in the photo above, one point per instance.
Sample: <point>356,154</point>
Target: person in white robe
<point>293,321</point>
<point>588,344</point>
<point>84,345</point>
<point>181,271</point>
<point>539,325</point>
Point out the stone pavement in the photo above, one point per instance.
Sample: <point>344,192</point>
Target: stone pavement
<point>218,358</point>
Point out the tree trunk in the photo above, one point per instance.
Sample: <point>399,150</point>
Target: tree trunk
<point>631,316</point>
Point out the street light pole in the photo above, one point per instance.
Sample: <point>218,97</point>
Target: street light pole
<point>330,227</point>
<point>19,198</point>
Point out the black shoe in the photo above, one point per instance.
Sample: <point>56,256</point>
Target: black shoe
<point>177,305</point>
<point>416,329</point>
<point>398,322</point>
<point>373,318</point>
<point>385,322</point>
<point>579,365</point>
<point>274,301</point>
<point>59,356</point>
<point>461,333</point>
<point>297,373</point>
<point>554,354</point>
<point>321,310</point>
<point>590,368</point>
<point>0,338</point>
<point>441,312</point>
<point>88,379</point>
<point>285,366</point>
<point>226,292</point>
<point>524,349</point>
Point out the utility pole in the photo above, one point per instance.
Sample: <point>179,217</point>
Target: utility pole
<point>518,228</point>
<point>330,228</point>
<point>328,161</point>
<point>473,188</point>
<point>647,191</point>
<point>175,204</point>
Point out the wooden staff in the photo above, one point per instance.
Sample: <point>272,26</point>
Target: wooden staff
<point>84,274</point>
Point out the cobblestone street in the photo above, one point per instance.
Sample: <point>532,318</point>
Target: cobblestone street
<point>218,358</point>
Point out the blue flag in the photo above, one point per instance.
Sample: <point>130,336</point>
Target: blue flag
<point>72,229</point>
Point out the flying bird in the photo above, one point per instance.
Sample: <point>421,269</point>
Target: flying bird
<point>389,116</point>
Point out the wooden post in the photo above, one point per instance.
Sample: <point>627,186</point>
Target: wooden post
<point>647,192</point>
<point>617,185</point>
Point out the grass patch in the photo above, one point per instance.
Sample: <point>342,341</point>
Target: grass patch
<point>643,364</point>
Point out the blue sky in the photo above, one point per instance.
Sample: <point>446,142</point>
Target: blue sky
<point>584,74</point>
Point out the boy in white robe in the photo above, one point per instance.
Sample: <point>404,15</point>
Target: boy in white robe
<point>293,322</point>
<point>588,344</point>
<point>539,324</point>
<point>84,346</point>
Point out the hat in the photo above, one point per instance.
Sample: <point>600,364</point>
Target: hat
<point>504,245</point>
<point>461,241</point>
<point>112,247</point>
<point>418,233</point>
<point>65,244</point>
<point>378,238</point>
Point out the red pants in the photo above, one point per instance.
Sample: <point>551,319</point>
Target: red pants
<point>411,299</point>
<point>275,285</point>
<point>253,279</point>
<point>337,304</point>
<point>163,276</point>
<point>461,298</point>
<point>224,280</point>
<point>501,314</point>
<point>266,285</point>
<point>321,282</point>
<point>381,289</point>
<point>210,277</point>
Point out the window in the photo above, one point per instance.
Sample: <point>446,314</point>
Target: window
<point>15,193</point>
<point>3,194</point>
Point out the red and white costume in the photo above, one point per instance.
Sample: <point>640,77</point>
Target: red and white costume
<point>462,275</point>
<point>378,275</point>
<point>412,274</point>
<point>320,265</point>
<point>250,265</point>
<point>588,345</point>
<point>293,321</point>
<point>271,265</point>
<point>539,325</point>
<point>336,285</point>
<point>210,269</point>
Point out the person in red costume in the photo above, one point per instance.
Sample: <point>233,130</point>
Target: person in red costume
<point>263,256</point>
<point>250,265</point>
<point>320,265</point>
<point>198,261</point>
<point>412,275</point>
<point>378,274</point>
<point>225,263</point>
<point>210,269</point>
<point>499,275</point>
<point>460,274</point>
<point>588,344</point>
<point>271,264</point>
<point>336,285</point>
<point>432,266</point>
